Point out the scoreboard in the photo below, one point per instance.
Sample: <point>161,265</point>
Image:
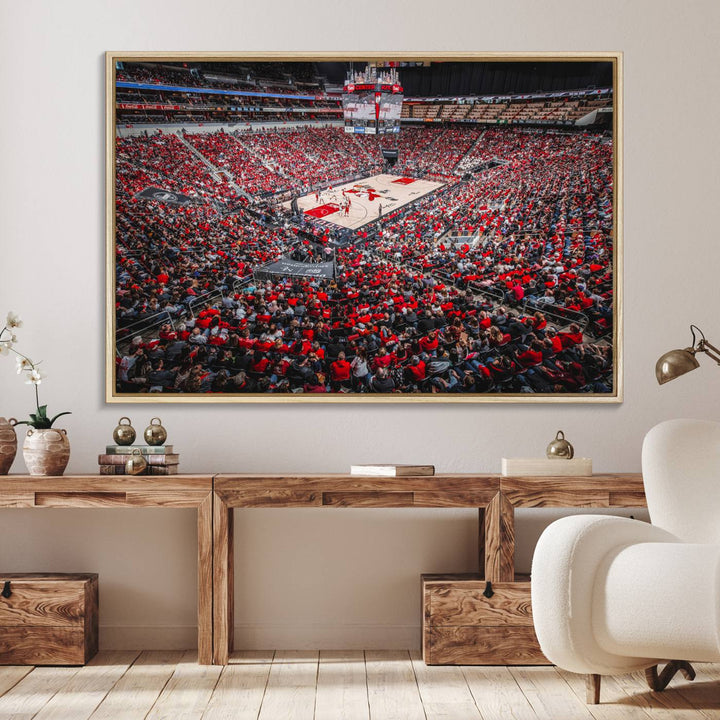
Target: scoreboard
<point>372,107</point>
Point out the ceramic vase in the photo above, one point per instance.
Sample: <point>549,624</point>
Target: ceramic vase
<point>47,451</point>
<point>8,445</point>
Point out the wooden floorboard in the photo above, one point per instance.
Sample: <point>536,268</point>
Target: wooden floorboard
<point>87,688</point>
<point>393,692</point>
<point>139,688</point>
<point>187,693</point>
<point>290,691</point>
<point>11,675</point>
<point>615,702</point>
<point>444,692</point>
<point>496,693</point>
<point>25,699</point>
<point>703,693</point>
<point>548,694</point>
<point>240,691</point>
<point>343,685</point>
<point>670,704</point>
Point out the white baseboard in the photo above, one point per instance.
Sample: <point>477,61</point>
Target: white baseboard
<point>265,637</point>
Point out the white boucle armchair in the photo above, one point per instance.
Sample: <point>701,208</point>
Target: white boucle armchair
<point>613,595</point>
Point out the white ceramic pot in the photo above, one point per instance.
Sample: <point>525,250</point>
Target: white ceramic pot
<point>8,444</point>
<point>46,452</point>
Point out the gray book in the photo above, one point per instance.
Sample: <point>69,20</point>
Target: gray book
<point>144,449</point>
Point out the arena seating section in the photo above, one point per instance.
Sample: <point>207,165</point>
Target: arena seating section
<point>500,281</point>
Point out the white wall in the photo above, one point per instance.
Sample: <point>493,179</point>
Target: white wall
<point>331,578</point>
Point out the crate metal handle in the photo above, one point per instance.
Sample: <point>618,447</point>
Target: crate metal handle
<point>6,592</point>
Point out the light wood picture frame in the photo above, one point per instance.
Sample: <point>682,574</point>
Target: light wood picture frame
<point>372,227</point>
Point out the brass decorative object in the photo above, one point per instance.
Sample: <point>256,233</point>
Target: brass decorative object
<point>560,448</point>
<point>124,433</point>
<point>155,433</point>
<point>136,463</point>
<point>678,362</point>
<point>8,444</point>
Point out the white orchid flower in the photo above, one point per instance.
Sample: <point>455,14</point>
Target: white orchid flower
<point>23,364</point>
<point>5,347</point>
<point>35,377</point>
<point>13,320</point>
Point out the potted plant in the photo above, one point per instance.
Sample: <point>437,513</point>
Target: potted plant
<point>46,449</point>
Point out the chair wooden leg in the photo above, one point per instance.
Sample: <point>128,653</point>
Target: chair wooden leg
<point>658,682</point>
<point>592,689</point>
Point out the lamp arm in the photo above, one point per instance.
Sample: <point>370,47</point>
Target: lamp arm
<point>710,350</point>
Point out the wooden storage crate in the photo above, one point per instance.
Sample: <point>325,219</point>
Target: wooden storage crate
<point>461,626</point>
<point>48,618</point>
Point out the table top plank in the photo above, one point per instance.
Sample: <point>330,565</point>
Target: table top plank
<point>355,490</point>
<point>607,490</point>
<point>456,490</point>
<point>317,490</point>
<point>24,484</point>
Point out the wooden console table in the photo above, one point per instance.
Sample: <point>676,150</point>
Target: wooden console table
<point>215,498</point>
<point>111,491</point>
<point>495,497</point>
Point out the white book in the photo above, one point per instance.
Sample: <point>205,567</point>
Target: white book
<point>392,470</point>
<point>547,467</point>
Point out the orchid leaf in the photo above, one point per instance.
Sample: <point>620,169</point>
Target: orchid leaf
<point>67,412</point>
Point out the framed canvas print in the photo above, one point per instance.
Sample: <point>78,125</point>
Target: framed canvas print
<point>364,228</point>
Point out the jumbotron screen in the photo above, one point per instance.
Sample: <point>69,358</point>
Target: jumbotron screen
<point>372,102</point>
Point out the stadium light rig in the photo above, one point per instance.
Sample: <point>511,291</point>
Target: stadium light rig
<point>678,362</point>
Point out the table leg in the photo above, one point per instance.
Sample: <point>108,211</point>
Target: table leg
<point>205,579</point>
<point>481,541</point>
<point>499,540</point>
<point>223,581</point>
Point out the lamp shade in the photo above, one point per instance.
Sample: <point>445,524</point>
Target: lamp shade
<point>675,363</point>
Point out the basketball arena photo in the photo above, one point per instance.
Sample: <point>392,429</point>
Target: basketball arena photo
<point>364,228</point>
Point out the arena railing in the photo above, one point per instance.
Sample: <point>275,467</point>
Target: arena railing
<point>125,335</point>
<point>560,314</point>
<point>203,300</point>
<point>495,295</point>
<point>239,285</point>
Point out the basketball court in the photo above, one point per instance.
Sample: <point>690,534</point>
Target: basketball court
<point>366,198</point>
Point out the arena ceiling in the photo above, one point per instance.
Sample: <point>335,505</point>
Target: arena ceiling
<point>453,78</point>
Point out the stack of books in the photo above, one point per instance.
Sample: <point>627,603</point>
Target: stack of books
<point>160,459</point>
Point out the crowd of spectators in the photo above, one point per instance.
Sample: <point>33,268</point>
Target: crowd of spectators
<point>143,106</point>
<point>159,75</point>
<point>409,309</point>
